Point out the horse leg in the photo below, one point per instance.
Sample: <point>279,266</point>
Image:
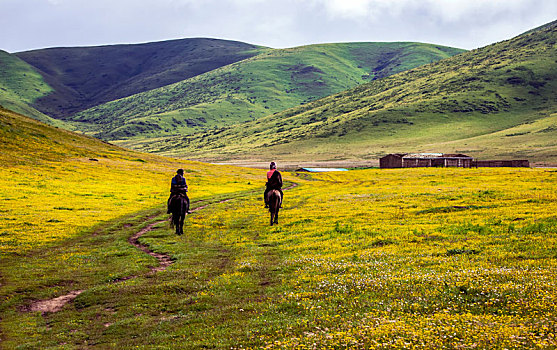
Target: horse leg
<point>177,223</point>
<point>182,223</point>
<point>276,217</point>
<point>176,217</point>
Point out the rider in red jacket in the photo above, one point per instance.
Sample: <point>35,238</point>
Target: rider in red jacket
<point>274,182</point>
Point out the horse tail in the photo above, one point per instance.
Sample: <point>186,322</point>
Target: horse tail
<point>273,198</point>
<point>274,205</point>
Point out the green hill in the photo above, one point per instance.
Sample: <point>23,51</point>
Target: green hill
<point>26,141</point>
<point>497,101</point>
<point>21,86</point>
<point>83,77</point>
<point>247,90</point>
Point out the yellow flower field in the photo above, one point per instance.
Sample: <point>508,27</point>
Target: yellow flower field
<point>56,200</point>
<point>394,258</point>
<point>427,258</point>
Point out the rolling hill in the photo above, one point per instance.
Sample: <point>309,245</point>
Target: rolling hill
<point>246,90</point>
<point>21,86</point>
<point>82,77</point>
<point>496,101</point>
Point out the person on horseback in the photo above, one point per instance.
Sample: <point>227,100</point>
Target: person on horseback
<point>274,182</point>
<point>178,187</point>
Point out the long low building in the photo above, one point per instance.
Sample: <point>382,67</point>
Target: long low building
<point>414,160</point>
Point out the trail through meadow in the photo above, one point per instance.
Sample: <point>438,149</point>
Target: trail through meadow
<point>164,260</point>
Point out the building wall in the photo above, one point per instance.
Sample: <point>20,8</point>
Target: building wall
<point>436,162</point>
<point>390,161</point>
<point>502,163</point>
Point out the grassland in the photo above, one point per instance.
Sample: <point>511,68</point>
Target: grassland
<point>408,258</point>
<point>55,183</point>
<point>247,90</point>
<point>497,101</point>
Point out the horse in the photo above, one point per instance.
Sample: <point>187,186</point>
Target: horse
<point>179,206</point>
<point>273,198</point>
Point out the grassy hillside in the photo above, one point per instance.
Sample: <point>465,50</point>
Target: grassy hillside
<point>497,101</point>
<point>88,76</point>
<point>21,86</point>
<point>54,183</point>
<point>249,89</point>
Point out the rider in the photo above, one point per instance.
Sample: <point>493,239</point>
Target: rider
<point>274,182</point>
<point>178,187</point>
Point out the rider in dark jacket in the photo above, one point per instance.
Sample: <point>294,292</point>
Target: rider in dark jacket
<point>274,182</point>
<point>178,187</point>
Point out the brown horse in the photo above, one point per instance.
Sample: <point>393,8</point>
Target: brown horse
<point>273,198</point>
<point>179,206</point>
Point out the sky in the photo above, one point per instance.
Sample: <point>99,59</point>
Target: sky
<point>468,24</point>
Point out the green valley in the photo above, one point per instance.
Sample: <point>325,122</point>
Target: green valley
<point>496,101</point>
<point>409,258</point>
<point>378,258</point>
<point>250,89</point>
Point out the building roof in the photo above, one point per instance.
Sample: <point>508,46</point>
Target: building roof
<point>320,170</point>
<point>428,155</point>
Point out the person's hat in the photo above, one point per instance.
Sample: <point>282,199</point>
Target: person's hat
<point>273,165</point>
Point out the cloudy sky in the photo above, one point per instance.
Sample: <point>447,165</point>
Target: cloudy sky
<point>31,24</point>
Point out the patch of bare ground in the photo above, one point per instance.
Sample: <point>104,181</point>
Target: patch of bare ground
<point>53,305</point>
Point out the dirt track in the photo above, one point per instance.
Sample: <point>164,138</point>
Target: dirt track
<point>56,304</point>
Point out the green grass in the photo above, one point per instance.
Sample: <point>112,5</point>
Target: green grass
<point>250,89</point>
<point>497,101</point>
<point>21,86</point>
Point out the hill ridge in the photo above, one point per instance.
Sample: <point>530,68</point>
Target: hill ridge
<point>87,76</point>
<point>264,84</point>
<point>443,106</point>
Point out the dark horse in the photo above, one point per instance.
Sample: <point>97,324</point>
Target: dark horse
<point>179,207</point>
<point>273,198</point>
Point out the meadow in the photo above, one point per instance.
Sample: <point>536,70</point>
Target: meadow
<point>398,258</point>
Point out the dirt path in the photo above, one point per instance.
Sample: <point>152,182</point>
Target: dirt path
<point>56,304</point>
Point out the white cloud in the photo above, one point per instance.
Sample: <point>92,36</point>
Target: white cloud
<point>443,10</point>
<point>357,9</point>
